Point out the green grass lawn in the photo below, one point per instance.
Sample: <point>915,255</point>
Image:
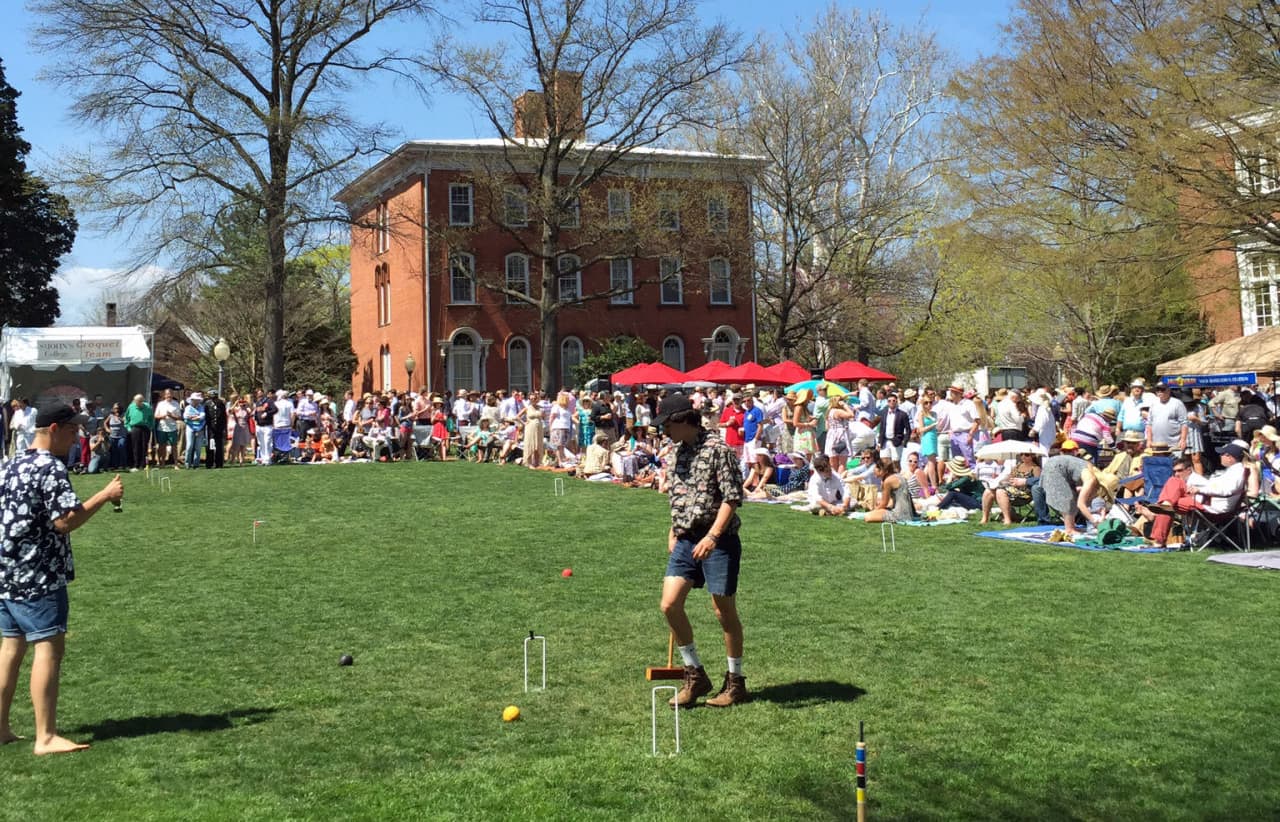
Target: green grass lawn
<point>996,680</point>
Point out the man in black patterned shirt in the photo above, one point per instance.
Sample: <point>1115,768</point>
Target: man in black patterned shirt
<point>703,546</point>
<point>38,510</point>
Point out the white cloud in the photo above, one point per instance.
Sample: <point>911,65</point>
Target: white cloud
<point>83,291</point>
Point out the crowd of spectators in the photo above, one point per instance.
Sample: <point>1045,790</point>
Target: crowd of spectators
<point>878,452</point>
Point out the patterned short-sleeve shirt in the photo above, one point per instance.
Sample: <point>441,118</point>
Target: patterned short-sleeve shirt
<point>34,558</point>
<point>705,475</point>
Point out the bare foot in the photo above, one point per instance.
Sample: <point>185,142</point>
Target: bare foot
<point>8,736</point>
<point>59,745</point>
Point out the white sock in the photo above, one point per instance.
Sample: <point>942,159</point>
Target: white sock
<point>735,665</point>
<point>689,653</point>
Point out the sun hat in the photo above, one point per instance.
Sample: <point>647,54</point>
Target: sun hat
<point>909,394</point>
<point>1269,431</point>
<point>196,397</point>
<point>1107,390</point>
<point>959,467</point>
<point>1108,483</point>
<point>1159,449</point>
<point>1138,382</point>
<point>1108,412</point>
<point>1132,436</point>
<point>805,394</point>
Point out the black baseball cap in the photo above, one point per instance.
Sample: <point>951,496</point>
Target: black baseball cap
<point>672,404</point>
<point>60,413</point>
<point>1232,449</point>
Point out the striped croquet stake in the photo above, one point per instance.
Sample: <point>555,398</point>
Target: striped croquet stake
<point>862,775</point>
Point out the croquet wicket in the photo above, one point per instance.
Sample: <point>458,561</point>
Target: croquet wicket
<point>530,638</point>
<point>653,717</point>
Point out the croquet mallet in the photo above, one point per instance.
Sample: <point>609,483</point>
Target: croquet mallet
<point>669,672</point>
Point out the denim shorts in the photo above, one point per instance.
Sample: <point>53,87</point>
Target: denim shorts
<point>35,619</point>
<point>718,572</point>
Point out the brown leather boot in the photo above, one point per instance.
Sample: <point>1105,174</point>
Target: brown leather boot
<point>696,684</point>
<point>734,692</point>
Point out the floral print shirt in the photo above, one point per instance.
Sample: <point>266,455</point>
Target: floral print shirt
<point>705,475</point>
<point>34,558</point>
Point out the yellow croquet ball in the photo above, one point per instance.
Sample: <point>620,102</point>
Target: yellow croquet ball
<point>510,713</point>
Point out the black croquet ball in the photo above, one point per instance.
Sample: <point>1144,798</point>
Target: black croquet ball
<point>345,660</point>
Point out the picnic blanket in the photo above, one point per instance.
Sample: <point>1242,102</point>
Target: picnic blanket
<point>919,523</point>
<point>1253,559</point>
<point>1039,535</point>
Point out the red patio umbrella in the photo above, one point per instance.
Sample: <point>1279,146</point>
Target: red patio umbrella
<point>711,372</point>
<point>646,373</point>
<point>851,370</point>
<point>789,371</point>
<point>753,372</point>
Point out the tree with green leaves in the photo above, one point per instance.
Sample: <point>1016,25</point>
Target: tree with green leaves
<point>612,356</point>
<point>202,106</point>
<point>37,227</point>
<point>847,113</point>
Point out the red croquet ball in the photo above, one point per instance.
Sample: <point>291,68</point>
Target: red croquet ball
<point>567,572</point>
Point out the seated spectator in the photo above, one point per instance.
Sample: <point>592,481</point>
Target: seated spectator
<point>895,503</point>
<point>596,461</point>
<point>483,444</point>
<point>1013,488</point>
<point>761,474</point>
<point>826,492</point>
<point>1266,454</point>
<point>917,477</point>
<point>862,480</point>
<point>798,474</point>
<point>964,489</point>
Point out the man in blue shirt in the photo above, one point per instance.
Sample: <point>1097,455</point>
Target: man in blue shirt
<point>752,428</point>
<point>38,511</point>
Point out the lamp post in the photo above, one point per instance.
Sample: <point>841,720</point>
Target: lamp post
<point>221,352</point>
<point>409,364</point>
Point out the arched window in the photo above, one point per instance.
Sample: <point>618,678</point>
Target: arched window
<point>724,345</point>
<point>519,365</point>
<point>570,280</point>
<point>570,358</point>
<point>462,278</point>
<point>464,362</point>
<point>517,275</point>
<point>384,363</point>
<point>673,352</point>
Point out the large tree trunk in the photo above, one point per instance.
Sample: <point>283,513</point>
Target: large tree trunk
<point>273,338</point>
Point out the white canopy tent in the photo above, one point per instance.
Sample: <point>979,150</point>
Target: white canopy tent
<point>76,361</point>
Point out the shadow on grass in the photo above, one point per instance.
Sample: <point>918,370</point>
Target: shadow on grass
<point>806,693</point>
<point>170,723</point>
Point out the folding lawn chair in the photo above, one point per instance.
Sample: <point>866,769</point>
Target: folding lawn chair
<point>1224,530</point>
<point>1156,471</point>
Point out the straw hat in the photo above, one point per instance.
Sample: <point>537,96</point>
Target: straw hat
<point>1107,390</point>
<point>1268,431</point>
<point>1108,483</point>
<point>805,395</point>
<point>1132,436</point>
<point>1109,413</point>
<point>959,467</point>
<point>1159,449</point>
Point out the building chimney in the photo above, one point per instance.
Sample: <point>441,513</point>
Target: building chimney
<point>111,314</point>
<point>532,115</point>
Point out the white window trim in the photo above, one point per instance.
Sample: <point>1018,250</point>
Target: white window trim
<point>471,203</point>
<point>383,228</point>
<point>621,218</point>
<point>662,281</point>
<point>577,275</point>
<point>680,345</point>
<point>385,366</point>
<point>629,298</point>
<point>718,213</point>
<point>528,364</point>
<point>471,266</point>
<point>515,200</point>
<point>728,281</point>
<point>574,220</point>
<point>669,201</point>
<point>733,345</point>
<point>1249,283</point>
<point>565,377</point>
<point>1268,172</point>
<point>507,274</point>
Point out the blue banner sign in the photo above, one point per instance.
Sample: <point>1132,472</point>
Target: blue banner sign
<point>1210,380</point>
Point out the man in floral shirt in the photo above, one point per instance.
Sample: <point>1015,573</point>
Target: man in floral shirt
<point>706,490</point>
<point>38,509</point>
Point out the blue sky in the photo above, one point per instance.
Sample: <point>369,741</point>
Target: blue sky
<point>967,28</point>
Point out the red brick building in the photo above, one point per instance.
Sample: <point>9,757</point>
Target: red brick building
<point>432,249</point>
